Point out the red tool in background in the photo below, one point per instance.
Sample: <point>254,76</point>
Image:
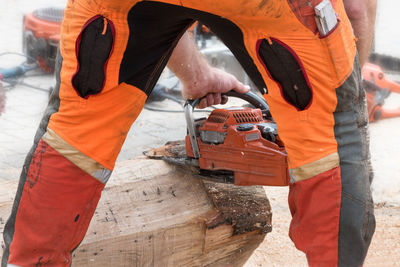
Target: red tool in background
<point>378,88</point>
<point>41,36</point>
<point>40,40</point>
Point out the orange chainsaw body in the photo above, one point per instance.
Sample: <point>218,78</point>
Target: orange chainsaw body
<point>232,139</point>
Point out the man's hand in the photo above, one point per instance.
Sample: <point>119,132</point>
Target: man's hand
<point>199,79</point>
<point>210,86</point>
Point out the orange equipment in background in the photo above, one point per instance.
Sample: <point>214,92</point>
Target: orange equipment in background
<point>378,88</point>
<point>41,36</point>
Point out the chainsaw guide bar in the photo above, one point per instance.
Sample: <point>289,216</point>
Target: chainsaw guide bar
<point>174,152</point>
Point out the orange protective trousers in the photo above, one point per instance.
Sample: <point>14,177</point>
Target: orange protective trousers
<point>112,53</point>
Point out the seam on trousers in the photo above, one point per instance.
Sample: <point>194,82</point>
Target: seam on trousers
<point>356,225</point>
<point>314,168</point>
<point>53,107</point>
<point>83,219</point>
<point>349,196</point>
<point>85,163</point>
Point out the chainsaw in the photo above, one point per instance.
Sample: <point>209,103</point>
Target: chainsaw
<point>237,142</point>
<point>237,145</point>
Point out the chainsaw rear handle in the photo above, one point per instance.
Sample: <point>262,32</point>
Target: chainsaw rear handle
<point>189,106</point>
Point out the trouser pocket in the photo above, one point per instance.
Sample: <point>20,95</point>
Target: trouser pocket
<point>285,68</point>
<point>93,48</point>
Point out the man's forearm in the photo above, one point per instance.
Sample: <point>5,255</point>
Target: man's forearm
<point>362,15</point>
<point>188,64</point>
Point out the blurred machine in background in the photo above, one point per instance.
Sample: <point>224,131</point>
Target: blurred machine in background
<point>378,88</point>
<point>41,36</point>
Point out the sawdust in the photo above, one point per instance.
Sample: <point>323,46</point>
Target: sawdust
<point>247,208</point>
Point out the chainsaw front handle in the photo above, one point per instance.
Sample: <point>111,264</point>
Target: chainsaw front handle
<point>189,106</point>
<point>252,98</point>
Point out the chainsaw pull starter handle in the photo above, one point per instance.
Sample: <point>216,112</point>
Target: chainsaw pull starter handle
<point>189,106</point>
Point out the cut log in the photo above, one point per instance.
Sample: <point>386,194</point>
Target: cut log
<point>152,213</point>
